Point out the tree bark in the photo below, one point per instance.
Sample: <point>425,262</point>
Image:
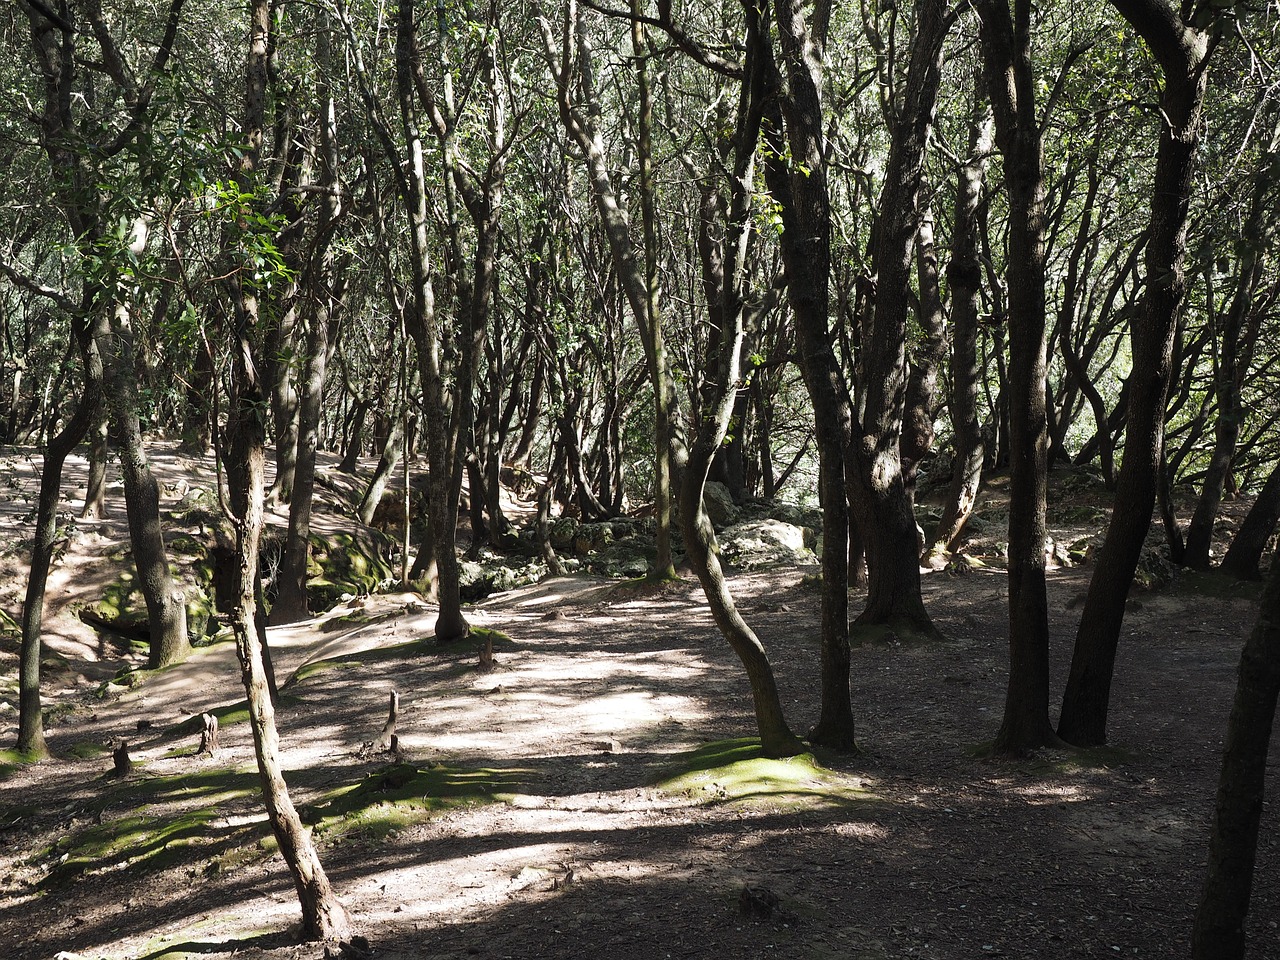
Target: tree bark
<point>881,501</point>
<point>800,187</point>
<point>323,916</point>
<point>31,741</point>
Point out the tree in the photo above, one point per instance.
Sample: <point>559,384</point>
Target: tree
<point>1182,50</point>
<point>323,916</point>
<point>1011,85</point>
<point>1224,900</point>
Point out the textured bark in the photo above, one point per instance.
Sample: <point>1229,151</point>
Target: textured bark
<point>1181,53</point>
<point>1006,50</point>
<point>424,324</point>
<point>1233,840</point>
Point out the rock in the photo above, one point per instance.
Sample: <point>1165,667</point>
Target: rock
<point>719,504</point>
<point>765,542</point>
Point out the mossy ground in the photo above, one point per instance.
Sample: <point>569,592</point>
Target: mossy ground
<point>402,794</point>
<point>729,771</point>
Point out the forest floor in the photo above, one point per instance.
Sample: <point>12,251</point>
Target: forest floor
<point>535,814</point>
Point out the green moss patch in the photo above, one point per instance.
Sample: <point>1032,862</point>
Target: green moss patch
<point>402,794</point>
<point>388,654</point>
<point>149,840</point>
<point>737,771</point>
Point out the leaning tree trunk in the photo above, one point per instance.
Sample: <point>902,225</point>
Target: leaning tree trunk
<point>1224,902</point>
<point>30,716</point>
<point>1181,53</point>
<point>166,606</point>
<point>1245,553</point>
<point>323,916</point>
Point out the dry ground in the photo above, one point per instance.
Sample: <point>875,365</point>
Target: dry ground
<point>915,848</point>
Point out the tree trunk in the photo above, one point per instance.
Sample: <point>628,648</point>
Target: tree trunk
<point>1181,53</point>
<point>799,185</point>
<point>1233,841</point>
<point>878,491</point>
<point>30,717</point>
<point>166,606</point>
<point>1245,552</point>
<point>964,276</point>
<point>95,494</point>
<point>323,916</point>
<point>1006,49</point>
<point>1235,353</point>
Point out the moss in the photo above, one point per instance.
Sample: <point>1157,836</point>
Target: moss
<point>402,794</point>
<point>86,750</point>
<point>145,840</point>
<point>729,771</point>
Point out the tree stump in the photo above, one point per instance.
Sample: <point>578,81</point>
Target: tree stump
<point>387,739</point>
<point>124,763</point>
<point>209,735</point>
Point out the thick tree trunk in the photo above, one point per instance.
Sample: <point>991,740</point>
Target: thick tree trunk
<point>878,490</point>
<point>166,606</point>
<point>1224,901</point>
<point>1181,53</point>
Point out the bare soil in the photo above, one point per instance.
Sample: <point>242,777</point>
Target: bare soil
<point>916,847</point>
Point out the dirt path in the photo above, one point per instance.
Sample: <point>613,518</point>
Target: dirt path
<point>914,849</point>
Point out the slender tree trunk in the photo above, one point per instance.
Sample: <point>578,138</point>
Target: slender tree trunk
<point>964,276</point>
<point>1235,353</point>
<point>1181,53</point>
<point>800,187</point>
<point>30,716</point>
<point>323,916</point>
<point>95,494</point>
<point>166,606</point>
<point>425,326</point>
<point>1233,841</point>
<point>291,600</point>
